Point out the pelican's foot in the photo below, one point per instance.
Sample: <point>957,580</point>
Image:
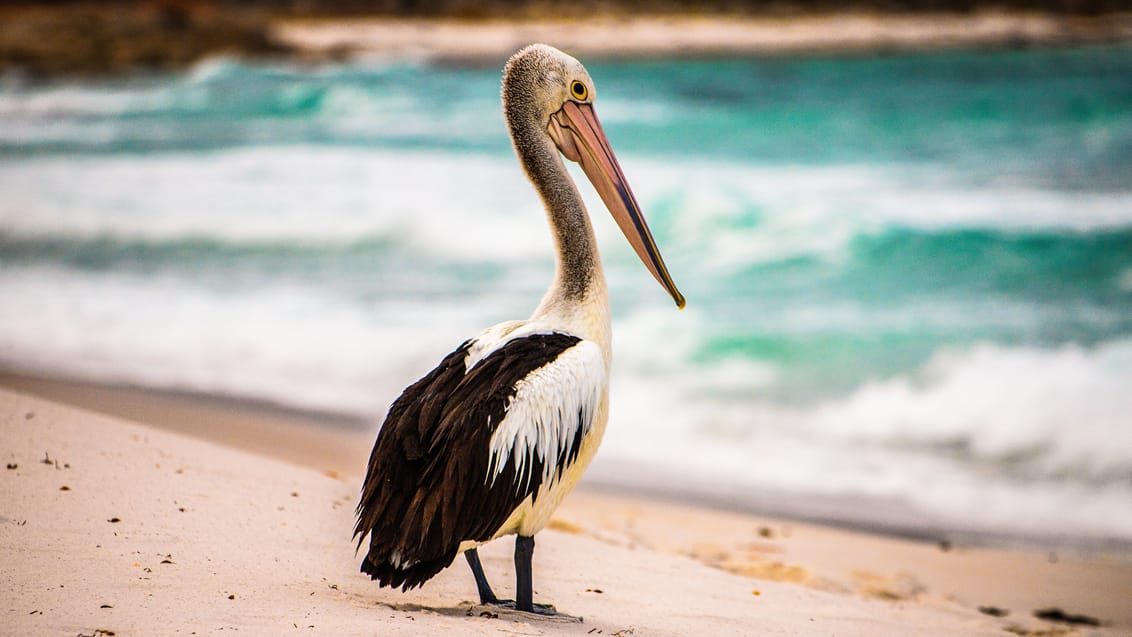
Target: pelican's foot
<point>537,609</point>
<point>546,611</point>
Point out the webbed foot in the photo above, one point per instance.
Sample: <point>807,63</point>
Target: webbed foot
<point>545,611</point>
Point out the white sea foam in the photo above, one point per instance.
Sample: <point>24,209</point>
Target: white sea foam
<point>749,214</point>
<point>213,68</point>
<point>451,206</point>
<point>998,403</point>
<point>988,438</point>
<point>67,100</point>
<point>992,438</point>
<point>295,345</point>
<point>480,207</point>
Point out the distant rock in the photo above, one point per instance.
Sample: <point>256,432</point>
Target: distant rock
<point>96,39</point>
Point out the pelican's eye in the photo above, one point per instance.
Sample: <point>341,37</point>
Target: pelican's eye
<point>578,90</point>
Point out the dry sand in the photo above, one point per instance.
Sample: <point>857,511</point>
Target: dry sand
<point>113,526</point>
<point>694,35</point>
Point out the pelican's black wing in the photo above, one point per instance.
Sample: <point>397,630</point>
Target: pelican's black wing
<point>427,486</point>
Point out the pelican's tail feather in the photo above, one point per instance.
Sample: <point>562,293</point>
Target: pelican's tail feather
<point>403,576</point>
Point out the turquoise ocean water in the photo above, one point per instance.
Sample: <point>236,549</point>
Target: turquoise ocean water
<point>909,278</point>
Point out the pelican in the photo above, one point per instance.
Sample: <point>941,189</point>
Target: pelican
<point>490,442</point>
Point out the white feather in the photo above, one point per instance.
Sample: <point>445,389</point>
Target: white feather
<point>497,336</point>
<point>549,406</point>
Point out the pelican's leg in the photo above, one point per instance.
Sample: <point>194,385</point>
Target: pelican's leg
<point>524,593</point>
<point>487,596</point>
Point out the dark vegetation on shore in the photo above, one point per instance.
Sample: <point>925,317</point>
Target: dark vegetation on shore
<point>53,38</point>
<point>550,8</point>
<point>50,38</point>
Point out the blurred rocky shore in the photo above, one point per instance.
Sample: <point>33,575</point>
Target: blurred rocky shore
<point>82,39</point>
<point>48,39</point>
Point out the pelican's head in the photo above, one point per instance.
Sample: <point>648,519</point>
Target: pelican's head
<point>551,93</point>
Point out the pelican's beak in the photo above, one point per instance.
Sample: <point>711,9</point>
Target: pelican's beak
<point>578,134</point>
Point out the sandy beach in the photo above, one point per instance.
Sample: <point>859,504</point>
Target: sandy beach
<point>117,527</point>
<point>630,36</point>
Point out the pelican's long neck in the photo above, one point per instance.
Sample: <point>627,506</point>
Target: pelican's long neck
<point>577,297</point>
<point>578,273</point>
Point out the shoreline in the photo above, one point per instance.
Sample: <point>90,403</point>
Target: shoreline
<point>614,37</point>
<point>338,446</point>
<point>105,40</point>
<point>320,441</point>
<point>134,496</point>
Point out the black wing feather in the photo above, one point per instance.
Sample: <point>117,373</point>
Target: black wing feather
<point>425,490</point>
